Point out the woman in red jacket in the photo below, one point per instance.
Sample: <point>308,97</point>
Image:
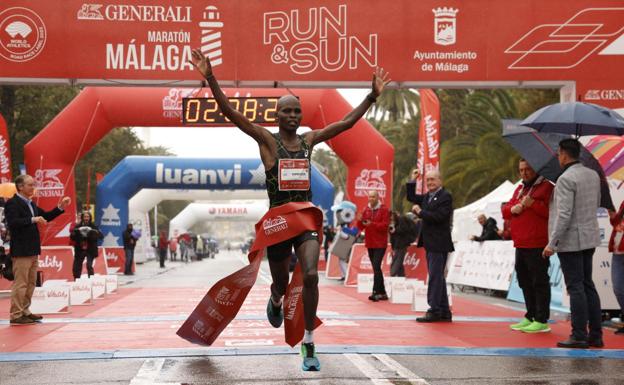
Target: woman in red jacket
<point>616,246</point>
<point>375,221</point>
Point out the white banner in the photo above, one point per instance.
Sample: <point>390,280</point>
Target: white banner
<point>487,265</point>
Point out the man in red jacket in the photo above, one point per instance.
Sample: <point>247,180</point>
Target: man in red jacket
<point>375,221</point>
<point>528,212</point>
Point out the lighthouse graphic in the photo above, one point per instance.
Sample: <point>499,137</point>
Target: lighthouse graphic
<point>211,35</point>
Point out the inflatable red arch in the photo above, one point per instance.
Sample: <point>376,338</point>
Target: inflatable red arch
<point>96,110</point>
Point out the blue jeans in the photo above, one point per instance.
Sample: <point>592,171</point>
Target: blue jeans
<point>437,297</point>
<point>129,257</point>
<point>617,277</point>
<point>584,300</point>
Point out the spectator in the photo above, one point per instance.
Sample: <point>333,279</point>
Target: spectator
<point>173,248</point>
<point>528,213</point>
<point>403,232</point>
<point>23,217</point>
<point>435,208</point>
<point>85,236</point>
<point>374,220</point>
<point>163,245</point>
<point>616,246</point>
<point>574,235</point>
<point>489,232</point>
<point>129,242</point>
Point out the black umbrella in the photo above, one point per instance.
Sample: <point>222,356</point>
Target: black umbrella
<point>540,151</point>
<point>577,119</point>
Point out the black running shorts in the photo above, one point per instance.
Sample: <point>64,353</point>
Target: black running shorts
<point>282,250</point>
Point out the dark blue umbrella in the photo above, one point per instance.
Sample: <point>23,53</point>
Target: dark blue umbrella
<point>577,119</point>
<point>540,151</point>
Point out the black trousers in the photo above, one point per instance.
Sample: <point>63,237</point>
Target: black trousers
<point>532,273</point>
<point>79,258</point>
<point>163,255</point>
<point>437,296</point>
<point>376,257</point>
<point>396,268</point>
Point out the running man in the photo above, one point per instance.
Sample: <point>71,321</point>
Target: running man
<point>287,144</point>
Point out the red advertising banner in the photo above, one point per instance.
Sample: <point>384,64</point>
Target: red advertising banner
<point>332,268</point>
<point>55,262</point>
<point>5,153</point>
<point>429,131</point>
<point>415,263</point>
<point>359,263</point>
<point>115,259</point>
<point>330,42</point>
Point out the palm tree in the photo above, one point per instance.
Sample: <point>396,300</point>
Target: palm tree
<point>478,159</point>
<point>396,105</point>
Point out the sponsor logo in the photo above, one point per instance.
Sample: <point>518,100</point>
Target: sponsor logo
<point>50,262</point>
<point>110,216</point>
<point>5,162</point>
<point>211,35</point>
<point>303,41</point>
<point>22,34</point>
<point>213,313</point>
<point>227,210</point>
<point>445,26</point>
<point>172,102</point>
<point>193,176</point>
<point>90,12</point>
<point>370,180</point>
<point>124,12</point>
<point>566,45</point>
<point>225,296</point>
<point>411,260</point>
<point>431,131</point>
<point>57,293</point>
<point>274,225</point>
<point>48,184</point>
<point>604,95</point>
<point>83,287</point>
<point>291,305</point>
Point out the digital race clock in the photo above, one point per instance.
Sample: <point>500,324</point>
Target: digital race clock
<point>206,111</point>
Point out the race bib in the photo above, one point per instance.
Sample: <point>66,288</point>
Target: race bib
<point>294,174</point>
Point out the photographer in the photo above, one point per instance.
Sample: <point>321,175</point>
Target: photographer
<point>85,236</point>
<point>403,231</point>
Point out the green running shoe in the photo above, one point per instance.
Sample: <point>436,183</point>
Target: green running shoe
<point>275,314</point>
<point>524,323</point>
<point>536,327</point>
<point>310,362</point>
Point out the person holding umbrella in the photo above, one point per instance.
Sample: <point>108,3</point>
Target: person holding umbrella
<point>528,212</point>
<point>574,235</point>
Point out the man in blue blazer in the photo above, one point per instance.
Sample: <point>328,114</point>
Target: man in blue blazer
<point>435,208</point>
<point>22,216</point>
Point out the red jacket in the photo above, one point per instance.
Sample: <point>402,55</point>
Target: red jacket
<point>529,229</point>
<point>617,220</point>
<point>377,230</point>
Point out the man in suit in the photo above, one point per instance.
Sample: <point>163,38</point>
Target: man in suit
<point>435,208</point>
<point>23,216</point>
<point>574,235</point>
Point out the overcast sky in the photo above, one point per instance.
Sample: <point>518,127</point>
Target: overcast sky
<point>217,142</point>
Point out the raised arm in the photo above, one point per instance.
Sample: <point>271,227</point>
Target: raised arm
<point>380,79</point>
<point>259,133</point>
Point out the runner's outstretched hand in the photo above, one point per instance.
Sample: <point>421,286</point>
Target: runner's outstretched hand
<point>201,62</point>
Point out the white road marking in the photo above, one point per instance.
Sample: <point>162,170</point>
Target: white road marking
<point>377,377</point>
<point>149,371</point>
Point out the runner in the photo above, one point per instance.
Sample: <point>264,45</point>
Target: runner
<point>286,158</point>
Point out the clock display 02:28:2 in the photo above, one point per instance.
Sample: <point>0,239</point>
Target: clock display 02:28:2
<point>206,111</point>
